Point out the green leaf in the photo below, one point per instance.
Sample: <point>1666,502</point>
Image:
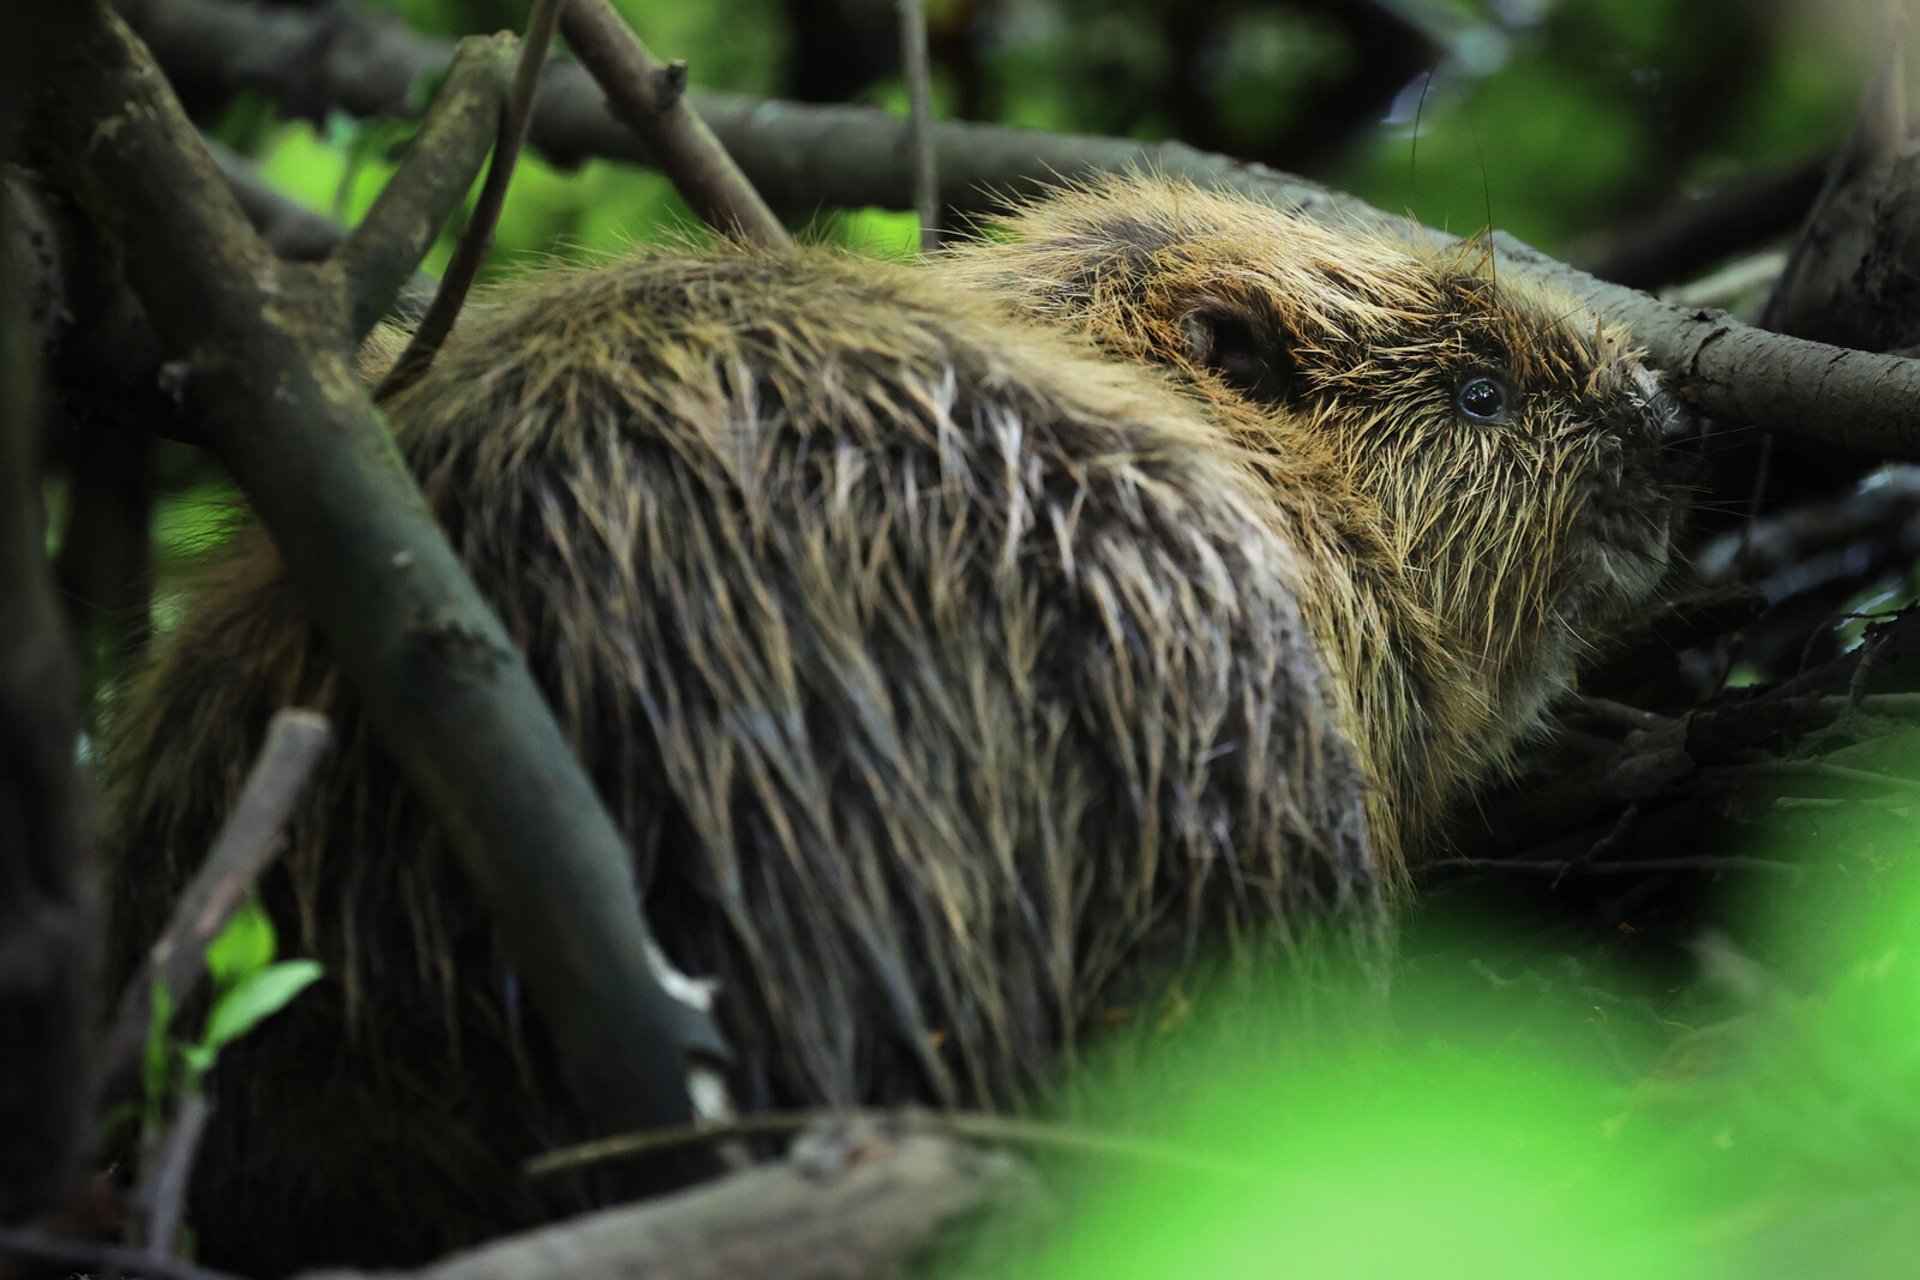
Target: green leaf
<point>246,945</point>
<point>255,997</point>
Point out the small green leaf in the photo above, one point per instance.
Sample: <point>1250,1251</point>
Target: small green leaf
<point>255,997</point>
<point>246,945</point>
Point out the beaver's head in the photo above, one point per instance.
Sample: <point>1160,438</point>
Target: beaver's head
<point>1502,445</point>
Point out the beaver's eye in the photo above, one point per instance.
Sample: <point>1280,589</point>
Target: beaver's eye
<point>1484,398</point>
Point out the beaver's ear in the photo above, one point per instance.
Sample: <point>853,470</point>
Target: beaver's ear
<point>1228,344</point>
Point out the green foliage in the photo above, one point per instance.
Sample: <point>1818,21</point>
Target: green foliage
<point>248,986</point>
<point>244,1005</point>
<point>1266,48</point>
<point>1596,111</point>
<point>1551,117</point>
<point>1541,1121</point>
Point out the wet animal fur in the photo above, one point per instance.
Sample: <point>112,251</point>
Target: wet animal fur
<point>940,672</point>
<point>1456,572</point>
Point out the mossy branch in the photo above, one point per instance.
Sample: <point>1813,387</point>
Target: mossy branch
<point>267,347</point>
<point>650,99</point>
<point>380,254</point>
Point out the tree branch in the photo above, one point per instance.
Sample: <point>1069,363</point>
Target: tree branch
<point>434,327</point>
<point>650,100</point>
<point>852,1201</point>
<point>380,254</point>
<point>926,178</point>
<point>162,1195</point>
<point>298,234</point>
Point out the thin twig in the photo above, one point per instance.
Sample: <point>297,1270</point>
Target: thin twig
<point>246,845</point>
<point>28,1243</point>
<point>471,252</point>
<point>1611,842</point>
<point>971,1126</point>
<point>1639,866</point>
<point>1618,713</point>
<point>1833,804</point>
<point>1879,704</point>
<point>163,1194</point>
<point>926,178</point>
<point>1817,769</point>
<point>648,98</point>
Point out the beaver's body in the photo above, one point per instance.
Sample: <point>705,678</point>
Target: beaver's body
<point>940,672</point>
<point>937,673</point>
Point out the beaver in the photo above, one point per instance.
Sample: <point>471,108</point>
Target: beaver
<point>937,669</point>
<point>946,668</point>
<point>1478,476</point>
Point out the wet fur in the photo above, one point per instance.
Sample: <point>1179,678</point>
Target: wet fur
<point>941,674</point>
<point>1457,572</point>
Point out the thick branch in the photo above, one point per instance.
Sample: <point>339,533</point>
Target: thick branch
<point>800,157</point>
<point>851,1202</point>
<point>268,354</point>
<point>1739,374</point>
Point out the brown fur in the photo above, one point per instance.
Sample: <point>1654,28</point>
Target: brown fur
<point>1456,572</point>
<point>941,674</point>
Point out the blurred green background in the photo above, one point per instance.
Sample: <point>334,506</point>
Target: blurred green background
<point>1556,120</point>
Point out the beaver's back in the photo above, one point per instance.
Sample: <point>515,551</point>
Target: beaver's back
<point>939,674</point>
